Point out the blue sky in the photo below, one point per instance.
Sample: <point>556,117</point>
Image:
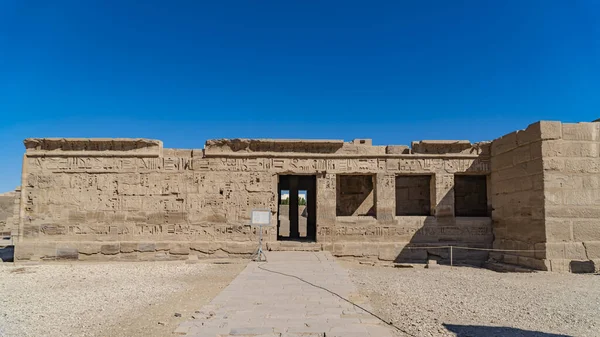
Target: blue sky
<point>394,71</point>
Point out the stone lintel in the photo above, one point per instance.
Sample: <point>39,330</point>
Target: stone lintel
<point>446,146</point>
<point>214,146</point>
<point>93,147</point>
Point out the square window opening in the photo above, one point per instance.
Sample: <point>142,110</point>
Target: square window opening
<point>413,195</point>
<point>470,195</point>
<point>355,195</point>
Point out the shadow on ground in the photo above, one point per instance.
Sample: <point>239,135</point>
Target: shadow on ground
<point>495,331</point>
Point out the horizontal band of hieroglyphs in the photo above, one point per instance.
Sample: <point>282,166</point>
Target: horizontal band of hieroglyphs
<point>257,164</point>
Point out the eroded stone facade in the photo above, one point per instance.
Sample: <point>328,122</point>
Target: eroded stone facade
<point>133,199</point>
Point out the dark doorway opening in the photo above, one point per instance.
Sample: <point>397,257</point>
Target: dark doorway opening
<point>297,210</point>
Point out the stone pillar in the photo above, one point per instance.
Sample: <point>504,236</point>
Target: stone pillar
<point>385,194</point>
<point>326,201</point>
<point>444,195</point>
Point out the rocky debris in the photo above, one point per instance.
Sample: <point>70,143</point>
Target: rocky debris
<point>478,302</point>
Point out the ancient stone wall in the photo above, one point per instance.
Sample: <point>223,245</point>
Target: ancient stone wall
<point>572,196</point>
<point>133,199</point>
<point>517,185</point>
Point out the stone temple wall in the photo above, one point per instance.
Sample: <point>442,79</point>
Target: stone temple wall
<point>132,199</point>
<point>546,196</point>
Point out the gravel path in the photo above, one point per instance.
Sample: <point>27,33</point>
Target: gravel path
<point>478,302</point>
<point>106,299</point>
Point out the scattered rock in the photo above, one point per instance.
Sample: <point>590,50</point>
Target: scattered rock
<point>177,314</point>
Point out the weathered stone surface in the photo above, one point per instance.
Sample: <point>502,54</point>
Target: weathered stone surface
<point>67,254</point>
<point>133,199</point>
<point>110,249</point>
<point>89,248</point>
<point>128,247</point>
<point>179,248</point>
<point>146,247</point>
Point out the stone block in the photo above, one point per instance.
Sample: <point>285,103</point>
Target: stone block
<point>110,249</point>
<point>529,135</point>
<point>504,143</point>
<point>202,246</point>
<point>580,131</point>
<point>397,149</point>
<point>64,253</point>
<point>550,130</point>
<point>582,165</point>
<point>592,249</point>
<point>586,230</point>
<point>162,246</point>
<point>238,247</point>
<point>560,265</point>
<point>565,250</point>
<point>532,263</point>
<point>24,251</point>
<point>553,164</point>
<point>146,247</point>
<point>558,230</point>
<point>179,248</point>
<point>128,247</point>
<point>357,249</point>
<point>561,148</point>
<point>390,251</point>
<point>89,248</point>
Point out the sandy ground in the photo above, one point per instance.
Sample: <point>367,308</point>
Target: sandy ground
<point>464,301</point>
<point>107,299</point>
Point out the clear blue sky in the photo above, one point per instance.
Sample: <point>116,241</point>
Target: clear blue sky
<point>394,71</point>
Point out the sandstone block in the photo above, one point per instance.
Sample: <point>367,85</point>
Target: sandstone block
<point>504,143</point>
<point>236,247</point>
<point>202,246</point>
<point>162,246</point>
<point>580,131</point>
<point>24,251</point>
<point>67,254</point>
<point>558,230</point>
<point>146,247</point>
<point>110,249</point>
<point>566,250</point>
<point>357,249</point>
<point>586,230</point>
<point>397,149</point>
<point>532,263</point>
<point>550,130</point>
<point>179,248</point>
<point>128,247</point>
<point>560,265</point>
<point>592,249</point>
<point>561,148</point>
<point>529,135</point>
<point>390,251</point>
<point>89,248</point>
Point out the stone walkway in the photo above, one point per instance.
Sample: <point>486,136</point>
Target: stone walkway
<point>267,304</point>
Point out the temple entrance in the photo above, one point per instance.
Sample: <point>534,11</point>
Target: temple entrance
<point>297,210</point>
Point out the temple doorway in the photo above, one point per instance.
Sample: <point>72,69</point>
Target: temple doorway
<point>297,206</point>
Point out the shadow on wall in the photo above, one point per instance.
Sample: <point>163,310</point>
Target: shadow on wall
<point>495,331</point>
<point>445,229</point>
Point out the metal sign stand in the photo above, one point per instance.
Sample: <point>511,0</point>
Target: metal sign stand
<point>259,255</point>
<point>260,218</point>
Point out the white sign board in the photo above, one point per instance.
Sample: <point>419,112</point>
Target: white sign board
<point>261,217</point>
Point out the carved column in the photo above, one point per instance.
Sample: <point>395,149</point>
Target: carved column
<point>385,194</point>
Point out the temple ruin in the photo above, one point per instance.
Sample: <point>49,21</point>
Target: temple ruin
<point>532,194</point>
